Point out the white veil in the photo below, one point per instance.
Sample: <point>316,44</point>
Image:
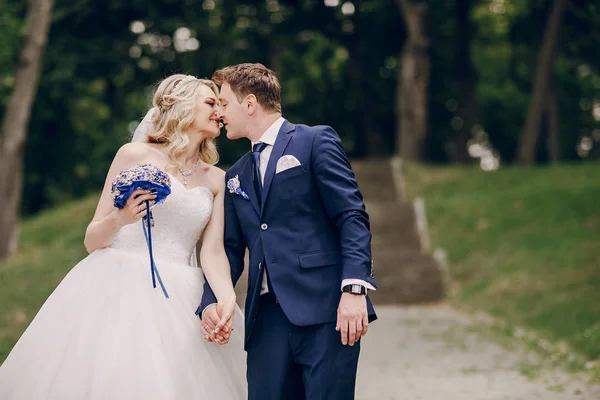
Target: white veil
<point>142,130</point>
<point>141,135</point>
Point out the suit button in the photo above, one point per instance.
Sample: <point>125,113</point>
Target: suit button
<point>264,227</point>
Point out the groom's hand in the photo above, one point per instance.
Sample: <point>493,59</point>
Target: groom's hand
<point>352,318</point>
<point>210,320</point>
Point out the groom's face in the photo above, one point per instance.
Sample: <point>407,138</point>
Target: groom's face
<point>233,114</point>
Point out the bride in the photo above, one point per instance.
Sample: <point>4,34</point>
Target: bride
<point>105,332</point>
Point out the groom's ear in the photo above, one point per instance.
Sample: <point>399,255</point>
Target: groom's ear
<point>251,104</point>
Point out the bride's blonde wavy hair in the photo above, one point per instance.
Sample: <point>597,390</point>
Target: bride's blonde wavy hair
<point>175,103</point>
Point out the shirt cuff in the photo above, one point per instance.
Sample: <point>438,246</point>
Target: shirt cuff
<point>206,308</point>
<point>357,282</point>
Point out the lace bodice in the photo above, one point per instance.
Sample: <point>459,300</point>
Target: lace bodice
<point>179,223</point>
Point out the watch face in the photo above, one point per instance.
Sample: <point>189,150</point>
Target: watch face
<point>355,289</point>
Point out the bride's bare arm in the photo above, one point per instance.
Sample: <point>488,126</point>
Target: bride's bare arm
<point>215,264</point>
<point>108,220</point>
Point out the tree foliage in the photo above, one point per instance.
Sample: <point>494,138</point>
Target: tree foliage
<point>338,62</point>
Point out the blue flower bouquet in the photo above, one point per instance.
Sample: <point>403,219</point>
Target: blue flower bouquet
<point>141,176</point>
<point>148,177</point>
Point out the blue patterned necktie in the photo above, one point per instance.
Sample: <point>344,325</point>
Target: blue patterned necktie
<point>256,149</point>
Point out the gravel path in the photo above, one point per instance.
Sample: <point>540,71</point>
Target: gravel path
<point>432,353</point>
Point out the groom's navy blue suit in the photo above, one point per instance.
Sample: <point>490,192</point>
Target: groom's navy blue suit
<point>310,230</point>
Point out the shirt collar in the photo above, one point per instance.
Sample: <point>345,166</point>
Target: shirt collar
<point>270,134</point>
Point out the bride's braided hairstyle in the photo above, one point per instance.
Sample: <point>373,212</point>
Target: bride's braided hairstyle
<point>175,104</point>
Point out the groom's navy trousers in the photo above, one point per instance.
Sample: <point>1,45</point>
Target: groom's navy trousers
<point>310,231</point>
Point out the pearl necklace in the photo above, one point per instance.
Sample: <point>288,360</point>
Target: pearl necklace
<point>190,173</point>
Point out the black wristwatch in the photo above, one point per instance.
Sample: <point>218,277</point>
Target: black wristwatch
<point>355,289</point>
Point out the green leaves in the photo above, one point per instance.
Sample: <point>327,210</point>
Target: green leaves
<point>336,68</point>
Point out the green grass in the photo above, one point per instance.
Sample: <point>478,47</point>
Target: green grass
<point>51,244</point>
<point>523,244</point>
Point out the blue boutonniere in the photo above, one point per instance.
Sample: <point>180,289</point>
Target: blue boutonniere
<point>149,177</point>
<point>233,185</point>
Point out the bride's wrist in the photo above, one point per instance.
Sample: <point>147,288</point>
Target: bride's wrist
<point>228,298</point>
<point>115,220</point>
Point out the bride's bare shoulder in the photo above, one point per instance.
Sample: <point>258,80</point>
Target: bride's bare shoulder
<point>134,152</point>
<point>216,172</point>
<point>216,176</point>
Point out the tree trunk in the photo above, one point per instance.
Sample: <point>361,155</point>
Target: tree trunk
<point>413,82</point>
<point>16,122</point>
<point>467,77</point>
<point>543,72</point>
<point>554,150</point>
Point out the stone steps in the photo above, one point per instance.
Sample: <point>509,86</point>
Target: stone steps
<point>375,180</point>
<point>406,277</point>
<point>404,273</point>
<point>393,223</point>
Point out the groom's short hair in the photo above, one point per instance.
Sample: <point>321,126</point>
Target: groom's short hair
<point>255,79</point>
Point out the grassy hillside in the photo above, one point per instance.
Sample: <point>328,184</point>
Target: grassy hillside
<point>51,244</point>
<point>523,244</point>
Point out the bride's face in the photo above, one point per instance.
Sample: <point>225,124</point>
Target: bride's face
<point>207,113</point>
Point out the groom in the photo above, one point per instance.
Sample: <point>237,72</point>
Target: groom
<point>294,203</point>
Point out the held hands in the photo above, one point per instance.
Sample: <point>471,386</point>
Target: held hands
<point>352,318</point>
<point>135,208</point>
<point>217,322</point>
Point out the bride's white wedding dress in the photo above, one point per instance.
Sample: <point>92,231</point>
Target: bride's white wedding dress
<point>106,333</point>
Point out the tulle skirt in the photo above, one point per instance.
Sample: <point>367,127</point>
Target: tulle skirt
<point>106,333</point>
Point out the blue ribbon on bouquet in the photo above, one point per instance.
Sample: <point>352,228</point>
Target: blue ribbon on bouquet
<point>148,177</point>
<point>147,227</point>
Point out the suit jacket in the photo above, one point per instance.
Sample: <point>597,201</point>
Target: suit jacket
<point>312,230</point>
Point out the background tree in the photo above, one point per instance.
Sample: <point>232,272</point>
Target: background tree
<point>16,121</point>
<point>541,95</point>
<point>413,81</point>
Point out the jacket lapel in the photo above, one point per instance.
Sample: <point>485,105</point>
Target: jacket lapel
<point>283,139</point>
<point>246,181</point>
